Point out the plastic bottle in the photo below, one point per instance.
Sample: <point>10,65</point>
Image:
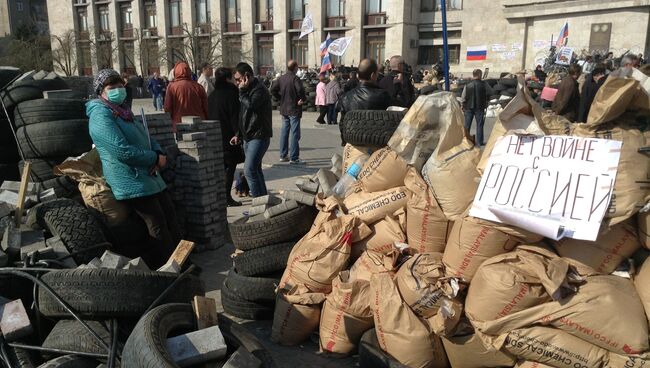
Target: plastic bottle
<point>349,177</point>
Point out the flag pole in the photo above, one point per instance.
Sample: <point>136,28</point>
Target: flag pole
<point>445,45</point>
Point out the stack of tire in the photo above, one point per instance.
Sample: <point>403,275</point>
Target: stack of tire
<point>506,87</point>
<point>9,156</point>
<point>248,291</point>
<point>49,131</point>
<point>369,127</point>
<point>310,91</point>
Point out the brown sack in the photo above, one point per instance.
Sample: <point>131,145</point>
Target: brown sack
<point>324,252</point>
<point>351,153</point>
<point>554,347</point>
<point>614,97</point>
<point>383,170</point>
<point>400,332</point>
<point>530,364</point>
<point>606,311</point>
<point>556,124</point>
<point>473,240</point>
<point>384,234</point>
<point>421,129</point>
<point>370,263</point>
<point>633,166</point>
<point>628,361</point>
<point>469,352</point>
<point>372,207</point>
<point>422,284</point>
<point>612,246</point>
<point>87,170</point>
<point>642,285</point>
<point>515,281</point>
<point>426,224</point>
<point>643,220</point>
<point>346,315</point>
<point>296,315</point>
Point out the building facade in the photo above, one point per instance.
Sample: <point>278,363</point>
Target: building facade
<point>17,13</point>
<point>143,36</point>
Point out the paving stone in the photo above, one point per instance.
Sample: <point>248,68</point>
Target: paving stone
<point>6,209</point>
<point>326,180</point>
<point>11,240</point>
<point>14,186</point>
<point>300,197</point>
<point>268,199</point>
<point>171,267</point>
<point>137,264</point>
<point>9,197</point>
<point>47,195</point>
<point>113,261</point>
<point>14,321</point>
<point>197,347</point>
<point>197,136</point>
<point>59,94</point>
<point>280,209</point>
<point>31,248</point>
<point>190,120</point>
<point>242,358</point>
<point>256,210</point>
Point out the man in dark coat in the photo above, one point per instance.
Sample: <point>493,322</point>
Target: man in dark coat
<point>593,81</point>
<point>368,96</point>
<point>567,100</point>
<point>223,105</point>
<point>351,83</point>
<point>474,102</point>
<point>290,92</point>
<point>398,83</point>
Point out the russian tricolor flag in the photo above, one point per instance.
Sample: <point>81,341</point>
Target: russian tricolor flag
<point>325,45</point>
<point>476,53</point>
<point>327,63</point>
<point>564,36</point>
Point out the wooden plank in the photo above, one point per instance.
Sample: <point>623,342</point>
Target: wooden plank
<point>182,251</point>
<point>22,193</point>
<point>205,310</point>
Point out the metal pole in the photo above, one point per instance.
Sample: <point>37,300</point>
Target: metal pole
<point>445,45</point>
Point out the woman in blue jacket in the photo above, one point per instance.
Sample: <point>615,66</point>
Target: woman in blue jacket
<point>131,161</point>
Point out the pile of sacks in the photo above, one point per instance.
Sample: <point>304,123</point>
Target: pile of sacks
<point>401,253</point>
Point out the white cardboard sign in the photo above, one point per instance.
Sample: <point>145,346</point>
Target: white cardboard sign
<point>555,186</point>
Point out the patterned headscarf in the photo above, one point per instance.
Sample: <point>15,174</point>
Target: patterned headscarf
<point>101,77</point>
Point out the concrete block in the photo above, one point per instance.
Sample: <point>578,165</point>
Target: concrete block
<point>171,267</point>
<point>300,197</point>
<point>39,75</point>
<point>137,264</point>
<point>310,187</point>
<point>256,218</point>
<point>326,180</point>
<point>112,260</point>
<point>197,136</point>
<point>95,263</point>
<point>280,209</point>
<point>9,197</point>
<point>256,210</point>
<point>191,119</point>
<point>14,321</point>
<point>197,347</point>
<point>47,195</point>
<point>51,75</point>
<point>11,240</point>
<point>190,145</point>
<point>6,209</point>
<point>60,93</point>
<point>14,186</point>
<point>268,199</point>
<point>242,358</point>
<point>61,251</point>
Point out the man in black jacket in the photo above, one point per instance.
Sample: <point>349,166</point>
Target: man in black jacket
<point>593,81</point>
<point>351,83</point>
<point>255,128</point>
<point>368,96</point>
<point>291,94</point>
<point>398,83</point>
<point>474,102</point>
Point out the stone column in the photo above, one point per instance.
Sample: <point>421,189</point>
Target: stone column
<point>113,22</point>
<point>281,46</point>
<point>162,21</point>
<point>65,16</point>
<point>354,19</point>
<point>137,21</point>
<point>318,13</point>
<point>247,15</point>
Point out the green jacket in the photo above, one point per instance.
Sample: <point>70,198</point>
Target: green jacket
<point>125,154</point>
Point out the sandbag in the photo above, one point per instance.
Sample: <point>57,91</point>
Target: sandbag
<point>400,332</point>
<point>633,167</point>
<point>515,281</point>
<point>422,284</point>
<point>620,92</point>
<point>469,352</point>
<point>323,252</point>
<point>346,315</point>
<point>612,246</point>
<point>351,153</point>
<point>95,192</point>
<point>419,132</point>
<point>554,347</point>
<point>427,227</point>
<point>370,263</point>
<point>643,221</point>
<point>642,285</point>
<point>384,234</point>
<point>453,178</point>
<point>606,312</point>
<point>473,240</point>
<point>372,207</point>
<point>530,364</point>
<point>296,315</point>
<point>383,170</point>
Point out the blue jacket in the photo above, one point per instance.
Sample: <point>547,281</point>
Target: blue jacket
<point>124,152</point>
<point>155,86</point>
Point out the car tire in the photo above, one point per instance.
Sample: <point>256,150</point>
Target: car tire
<point>72,336</point>
<point>42,110</point>
<point>263,261</point>
<point>29,89</point>
<point>370,127</point>
<point>70,361</point>
<point>285,227</point>
<point>242,308</point>
<point>108,293</point>
<point>237,336</point>
<point>54,138</point>
<point>509,82</point>
<point>372,356</point>
<point>253,289</point>
<point>42,169</point>
<point>75,225</point>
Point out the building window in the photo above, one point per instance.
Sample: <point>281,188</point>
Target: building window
<point>451,4</point>
<point>376,6</point>
<point>427,5</point>
<point>335,8</point>
<point>429,55</point>
<point>126,15</point>
<point>128,57</point>
<point>19,6</point>
<point>176,50</point>
<point>202,11</point>
<point>105,55</point>
<point>233,18</point>
<point>297,9</point>
<point>299,49</point>
<point>232,51</point>
<point>150,54</point>
<point>376,45</point>
<point>84,60</point>
<point>264,11</point>
<point>174,13</point>
<point>82,20</point>
<point>103,18</point>
<point>264,54</point>
<point>150,15</point>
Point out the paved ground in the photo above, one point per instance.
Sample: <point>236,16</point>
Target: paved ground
<point>318,144</point>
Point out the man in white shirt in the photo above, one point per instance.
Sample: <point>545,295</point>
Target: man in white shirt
<point>205,80</point>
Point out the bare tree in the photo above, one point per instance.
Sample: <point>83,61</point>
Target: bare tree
<point>103,47</point>
<point>64,52</point>
<point>28,49</point>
